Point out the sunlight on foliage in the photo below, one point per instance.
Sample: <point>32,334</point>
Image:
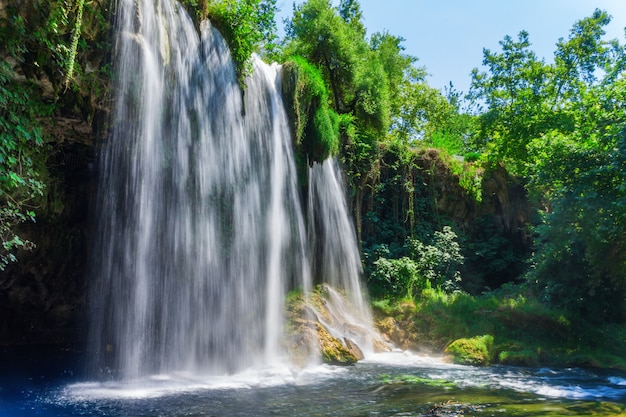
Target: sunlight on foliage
<point>21,141</point>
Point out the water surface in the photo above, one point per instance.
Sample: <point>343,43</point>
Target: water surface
<point>395,384</point>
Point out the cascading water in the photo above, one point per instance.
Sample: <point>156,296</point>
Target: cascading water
<point>200,226</point>
<point>336,257</point>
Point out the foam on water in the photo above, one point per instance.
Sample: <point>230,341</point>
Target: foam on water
<point>574,384</point>
<point>165,385</point>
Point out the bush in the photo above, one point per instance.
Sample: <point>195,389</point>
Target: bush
<point>476,351</point>
<point>439,261</point>
<point>397,278</point>
<point>429,265</point>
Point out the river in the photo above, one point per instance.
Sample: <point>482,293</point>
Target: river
<point>51,383</point>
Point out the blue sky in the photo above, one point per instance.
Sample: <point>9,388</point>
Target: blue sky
<point>448,36</point>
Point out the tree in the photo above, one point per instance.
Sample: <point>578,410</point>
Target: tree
<point>580,262</point>
<point>526,99</point>
<point>399,67</point>
<point>577,60</point>
<point>514,91</point>
<point>317,33</point>
<point>563,126</point>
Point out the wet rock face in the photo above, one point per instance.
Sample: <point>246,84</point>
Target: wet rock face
<point>307,338</point>
<point>394,334</point>
<point>43,294</point>
<point>505,199</point>
<point>313,333</point>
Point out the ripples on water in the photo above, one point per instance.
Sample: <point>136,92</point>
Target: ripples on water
<point>393,384</point>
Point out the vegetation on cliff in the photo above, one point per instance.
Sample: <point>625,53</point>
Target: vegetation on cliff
<point>43,79</point>
<point>247,25</point>
<point>314,124</point>
<point>524,174</point>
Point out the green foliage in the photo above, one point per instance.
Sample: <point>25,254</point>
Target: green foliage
<point>426,265</point>
<point>475,351</point>
<point>528,99</point>
<point>491,258</point>
<point>397,277</point>
<point>526,331</point>
<point>562,126</point>
<point>45,44</point>
<point>515,92</point>
<point>318,33</point>
<point>525,357</point>
<point>440,260</point>
<point>398,67</point>
<point>37,37</point>
<point>315,124</point>
<point>247,25</point>
<point>581,262</point>
<point>371,97</point>
<point>21,143</point>
<point>426,116</point>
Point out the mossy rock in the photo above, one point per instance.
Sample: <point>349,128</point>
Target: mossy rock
<point>333,351</point>
<point>476,351</point>
<point>307,337</point>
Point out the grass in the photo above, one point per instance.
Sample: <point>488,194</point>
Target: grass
<point>525,331</point>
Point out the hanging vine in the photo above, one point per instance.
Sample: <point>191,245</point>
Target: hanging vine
<point>71,60</point>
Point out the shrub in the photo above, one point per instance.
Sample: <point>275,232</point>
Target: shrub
<point>476,351</point>
<point>429,265</point>
<point>519,358</point>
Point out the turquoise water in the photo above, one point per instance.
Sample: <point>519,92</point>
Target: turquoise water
<point>396,384</point>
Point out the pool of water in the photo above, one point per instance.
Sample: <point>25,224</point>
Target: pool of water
<point>51,384</point>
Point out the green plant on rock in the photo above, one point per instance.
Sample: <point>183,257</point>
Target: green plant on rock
<point>315,125</point>
<point>476,351</point>
<point>247,25</point>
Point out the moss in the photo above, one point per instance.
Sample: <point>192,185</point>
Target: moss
<point>333,351</point>
<point>306,337</point>
<point>314,125</point>
<point>475,351</point>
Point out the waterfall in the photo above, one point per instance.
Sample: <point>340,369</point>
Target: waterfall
<point>200,227</point>
<point>336,258</point>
